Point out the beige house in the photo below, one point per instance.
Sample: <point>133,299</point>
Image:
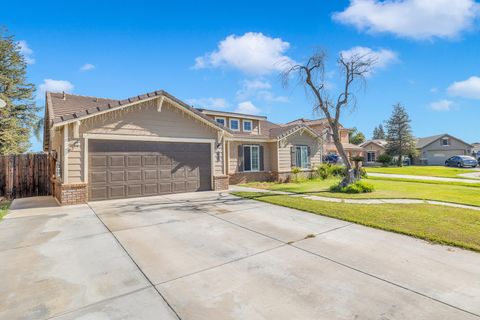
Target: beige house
<point>435,150</point>
<point>155,144</point>
<point>372,149</point>
<point>321,127</point>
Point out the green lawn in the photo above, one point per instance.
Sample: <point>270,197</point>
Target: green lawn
<point>431,171</point>
<point>4,205</point>
<point>384,189</point>
<point>438,224</point>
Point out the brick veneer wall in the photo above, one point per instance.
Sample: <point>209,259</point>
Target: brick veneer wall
<point>71,193</point>
<point>220,183</point>
<point>287,176</point>
<point>244,177</point>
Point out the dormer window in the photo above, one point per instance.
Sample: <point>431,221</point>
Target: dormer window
<point>220,120</point>
<point>247,125</point>
<point>445,142</point>
<point>235,124</point>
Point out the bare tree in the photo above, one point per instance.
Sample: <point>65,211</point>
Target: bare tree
<point>311,75</point>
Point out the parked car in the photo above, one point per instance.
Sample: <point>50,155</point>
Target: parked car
<point>461,161</point>
<point>333,158</point>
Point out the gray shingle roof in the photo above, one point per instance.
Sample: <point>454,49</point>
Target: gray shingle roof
<point>422,142</point>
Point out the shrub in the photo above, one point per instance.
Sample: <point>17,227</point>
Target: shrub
<point>357,187</point>
<point>328,170</point>
<point>385,159</point>
<point>296,171</point>
<point>337,171</point>
<point>323,171</point>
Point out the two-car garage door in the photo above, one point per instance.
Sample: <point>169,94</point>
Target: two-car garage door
<point>124,169</point>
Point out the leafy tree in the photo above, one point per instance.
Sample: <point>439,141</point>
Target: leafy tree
<point>354,69</point>
<point>19,116</point>
<point>356,137</point>
<point>379,133</point>
<point>400,139</point>
<point>385,159</point>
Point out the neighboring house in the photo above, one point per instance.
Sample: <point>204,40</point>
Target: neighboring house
<point>476,150</point>
<point>372,149</point>
<point>323,129</point>
<point>155,144</point>
<point>435,150</point>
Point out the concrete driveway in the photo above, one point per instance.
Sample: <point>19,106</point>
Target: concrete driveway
<point>211,256</point>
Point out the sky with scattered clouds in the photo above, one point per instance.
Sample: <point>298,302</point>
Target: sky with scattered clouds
<point>229,56</point>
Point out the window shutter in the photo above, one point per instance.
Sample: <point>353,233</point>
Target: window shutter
<point>309,154</point>
<point>261,158</point>
<point>294,156</point>
<point>240,158</point>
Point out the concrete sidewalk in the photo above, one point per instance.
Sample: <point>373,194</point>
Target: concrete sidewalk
<point>211,255</point>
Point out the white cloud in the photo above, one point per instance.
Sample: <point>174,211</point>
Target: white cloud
<point>383,57</point>
<point>442,105</point>
<point>247,107</point>
<point>209,103</point>
<point>26,51</point>
<point>434,90</point>
<point>87,67</point>
<point>469,88</point>
<point>252,53</point>
<point>258,89</point>
<point>416,19</point>
<point>53,86</point>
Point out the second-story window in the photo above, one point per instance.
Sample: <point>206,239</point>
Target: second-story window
<point>247,125</point>
<point>235,124</point>
<point>220,120</point>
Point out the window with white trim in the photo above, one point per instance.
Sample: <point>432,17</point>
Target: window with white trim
<point>302,158</point>
<point>445,142</point>
<point>235,124</point>
<point>371,156</point>
<point>247,125</point>
<point>251,158</point>
<point>220,120</point>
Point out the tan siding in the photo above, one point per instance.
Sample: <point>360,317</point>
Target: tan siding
<point>285,161</point>
<point>273,156</point>
<point>140,120</point>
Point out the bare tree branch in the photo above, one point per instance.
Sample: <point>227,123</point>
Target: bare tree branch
<point>354,69</point>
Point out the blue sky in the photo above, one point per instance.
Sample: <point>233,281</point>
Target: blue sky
<point>202,53</point>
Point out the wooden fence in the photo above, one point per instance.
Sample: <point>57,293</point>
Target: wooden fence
<point>26,175</point>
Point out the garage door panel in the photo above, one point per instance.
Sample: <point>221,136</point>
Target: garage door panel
<point>117,161</point>
<point>150,188</point>
<point>134,190</point>
<point>150,174</point>
<point>117,191</point>
<point>179,186</point>
<point>165,173</point>
<point>120,169</point>
<point>134,161</point>
<point>98,161</point>
<point>150,161</point>
<point>165,188</point>
<point>117,176</point>
<point>98,192</point>
<point>165,160</point>
<point>98,177</point>
<point>134,175</point>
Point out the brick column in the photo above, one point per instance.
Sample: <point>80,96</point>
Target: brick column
<point>220,183</point>
<point>68,194</point>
